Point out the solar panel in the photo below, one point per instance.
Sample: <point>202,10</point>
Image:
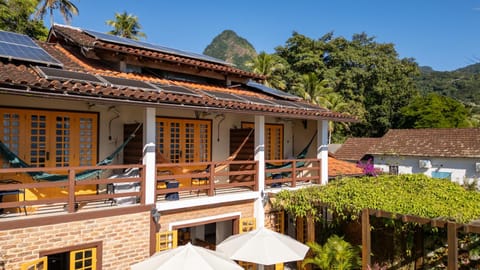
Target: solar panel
<point>272,91</point>
<point>175,89</point>
<point>256,100</point>
<point>18,39</point>
<point>21,47</point>
<point>310,106</point>
<point>153,47</point>
<point>60,74</point>
<point>129,83</point>
<point>223,96</point>
<point>287,103</point>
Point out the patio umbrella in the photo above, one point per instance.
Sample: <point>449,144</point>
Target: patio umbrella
<point>263,246</point>
<point>187,257</point>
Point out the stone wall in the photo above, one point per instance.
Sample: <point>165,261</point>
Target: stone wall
<point>124,240</point>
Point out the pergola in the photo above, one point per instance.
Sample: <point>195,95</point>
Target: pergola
<point>452,232</point>
<point>408,198</point>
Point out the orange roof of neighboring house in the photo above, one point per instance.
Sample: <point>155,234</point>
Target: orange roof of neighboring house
<point>354,149</point>
<point>337,168</point>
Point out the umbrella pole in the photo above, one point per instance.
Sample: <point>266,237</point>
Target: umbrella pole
<point>260,267</point>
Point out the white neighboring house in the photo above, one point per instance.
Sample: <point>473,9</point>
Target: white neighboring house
<point>451,153</point>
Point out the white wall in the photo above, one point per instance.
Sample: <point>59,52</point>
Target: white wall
<point>460,168</point>
<point>296,136</point>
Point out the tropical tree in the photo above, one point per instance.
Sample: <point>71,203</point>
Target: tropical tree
<point>272,67</point>
<point>126,25</point>
<point>311,88</point>
<point>317,91</point>
<point>66,8</point>
<point>435,111</point>
<point>368,75</point>
<point>15,16</point>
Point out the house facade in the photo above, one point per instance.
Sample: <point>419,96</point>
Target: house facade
<point>114,149</point>
<point>449,153</point>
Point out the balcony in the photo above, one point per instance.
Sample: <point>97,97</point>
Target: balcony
<point>120,185</point>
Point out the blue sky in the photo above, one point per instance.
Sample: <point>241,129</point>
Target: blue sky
<point>443,34</point>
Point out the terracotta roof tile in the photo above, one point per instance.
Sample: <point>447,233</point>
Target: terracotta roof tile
<point>81,38</point>
<point>338,168</point>
<point>431,142</point>
<point>354,149</point>
<point>19,77</point>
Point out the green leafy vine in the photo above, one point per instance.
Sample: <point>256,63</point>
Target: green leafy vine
<point>414,194</point>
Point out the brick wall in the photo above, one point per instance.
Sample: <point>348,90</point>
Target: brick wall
<point>245,208</point>
<point>125,240</point>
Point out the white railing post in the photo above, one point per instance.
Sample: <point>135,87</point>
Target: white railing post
<point>322,149</point>
<point>260,157</point>
<point>149,155</point>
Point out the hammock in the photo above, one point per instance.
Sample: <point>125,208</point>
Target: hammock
<point>16,162</point>
<point>300,164</point>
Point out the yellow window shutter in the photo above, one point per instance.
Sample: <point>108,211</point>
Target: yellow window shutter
<point>166,240</point>
<point>247,224</point>
<point>83,259</point>
<point>279,221</point>
<point>38,264</point>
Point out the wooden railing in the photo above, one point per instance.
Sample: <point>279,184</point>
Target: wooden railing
<point>291,172</point>
<point>200,177</point>
<point>194,178</point>
<point>67,190</point>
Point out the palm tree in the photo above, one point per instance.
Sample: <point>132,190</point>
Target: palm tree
<point>66,8</point>
<point>311,88</point>
<point>335,102</point>
<point>317,91</point>
<point>271,67</point>
<point>126,25</point>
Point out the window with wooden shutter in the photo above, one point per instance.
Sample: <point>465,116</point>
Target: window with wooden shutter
<point>166,240</point>
<point>247,224</point>
<point>84,259</point>
<point>50,138</point>
<point>38,264</point>
<point>273,140</point>
<point>279,221</point>
<point>184,140</point>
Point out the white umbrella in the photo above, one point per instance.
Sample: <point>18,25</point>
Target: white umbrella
<point>187,257</point>
<point>263,246</point>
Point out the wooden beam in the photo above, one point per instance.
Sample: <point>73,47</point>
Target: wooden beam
<point>310,229</point>
<point>418,247</point>
<point>452,246</point>
<point>366,239</point>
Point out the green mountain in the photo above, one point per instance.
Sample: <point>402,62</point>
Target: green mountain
<point>232,48</point>
<point>462,84</point>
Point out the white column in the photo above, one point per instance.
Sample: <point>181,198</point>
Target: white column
<point>260,157</point>
<point>149,155</point>
<point>322,149</point>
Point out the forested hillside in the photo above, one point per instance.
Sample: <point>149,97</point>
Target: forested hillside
<point>462,84</point>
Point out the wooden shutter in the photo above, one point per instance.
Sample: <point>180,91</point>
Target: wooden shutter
<point>184,140</point>
<point>279,221</point>
<point>273,140</point>
<point>83,259</point>
<point>50,138</point>
<point>166,240</point>
<point>247,224</point>
<point>38,264</point>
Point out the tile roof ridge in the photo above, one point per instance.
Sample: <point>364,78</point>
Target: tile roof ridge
<point>67,26</point>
